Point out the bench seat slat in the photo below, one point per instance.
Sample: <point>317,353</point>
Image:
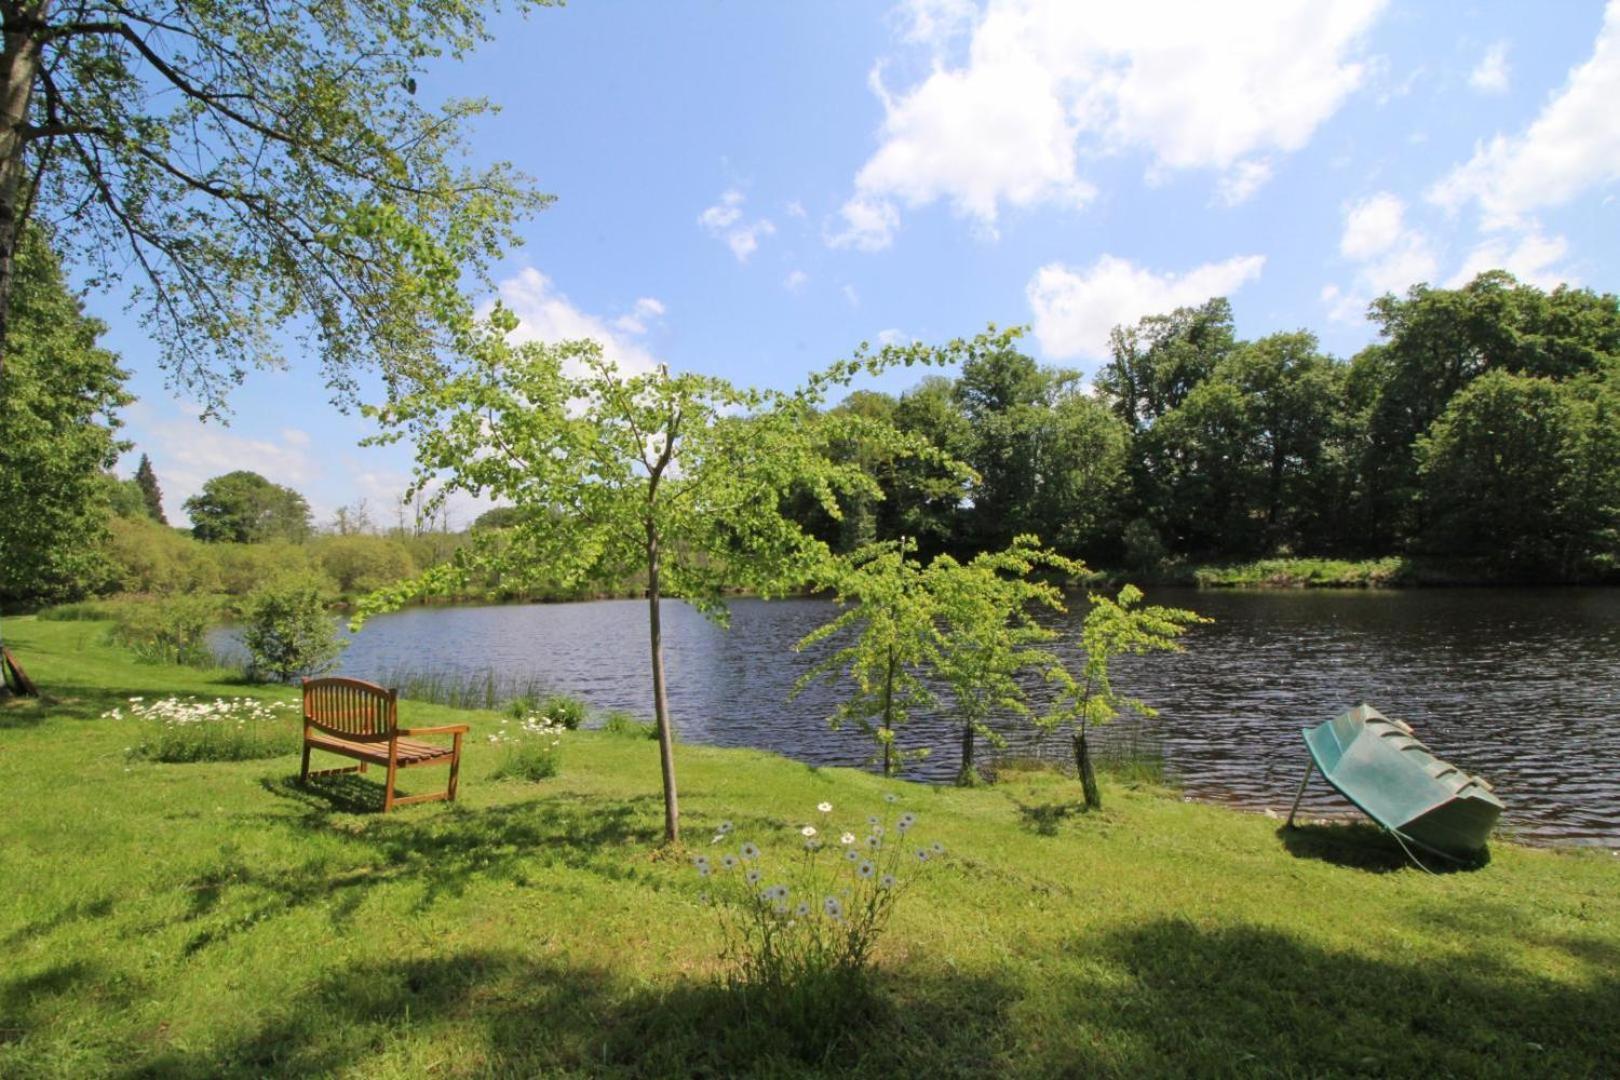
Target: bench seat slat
<point>410,751</point>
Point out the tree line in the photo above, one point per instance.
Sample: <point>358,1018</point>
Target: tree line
<point>1482,429</point>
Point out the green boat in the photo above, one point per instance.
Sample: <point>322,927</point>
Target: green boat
<point>1379,765</point>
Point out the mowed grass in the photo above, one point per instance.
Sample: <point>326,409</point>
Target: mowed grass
<point>218,920</point>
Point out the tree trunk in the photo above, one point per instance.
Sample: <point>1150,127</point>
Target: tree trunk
<point>666,733</point>
<point>967,777</point>
<point>1088,775</point>
<point>19,67</point>
<point>888,718</point>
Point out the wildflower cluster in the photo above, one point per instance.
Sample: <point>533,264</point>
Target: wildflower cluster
<point>197,729</point>
<point>530,745</point>
<point>819,914</point>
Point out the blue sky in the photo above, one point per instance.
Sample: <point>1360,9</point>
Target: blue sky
<point>753,189</point>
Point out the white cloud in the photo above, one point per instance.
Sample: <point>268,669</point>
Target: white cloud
<point>544,314</point>
<point>1372,226</point>
<point>723,213</point>
<point>795,209</point>
<point>868,225</point>
<point>1242,180</point>
<point>1533,258</point>
<point>1390,255</point>
<point>295,436</point>
<point>1573,145</point>
<point>851,295</point>
<point>937,22</point>
<point>647,308</point>
<point>724,221</point>
<point>1046,83</point>
<point>1490,75</point>
<point>1076,309</point>
<point>795,281</point>
<point>893,336</point>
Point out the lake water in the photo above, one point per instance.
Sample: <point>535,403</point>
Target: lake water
<point>1521,687</point>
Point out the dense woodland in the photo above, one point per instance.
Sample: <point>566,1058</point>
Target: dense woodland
<point>1481,431</point>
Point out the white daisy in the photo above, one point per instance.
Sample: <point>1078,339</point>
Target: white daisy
<point>825,808</point>
<point>808,830</point>
<point>847,839</point>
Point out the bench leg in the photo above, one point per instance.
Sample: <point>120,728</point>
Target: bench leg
<point>303,770</point>
<point>388,791</point>
<point>455,769</point>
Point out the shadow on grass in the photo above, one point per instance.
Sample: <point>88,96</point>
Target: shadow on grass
<point>442,853</point>
<point>1166,998</point>
<point>1044,819</point>
<point>1203,1001</point>
<point>1360,846</point>
<point>31,1004</point>
<point>497,1012</point>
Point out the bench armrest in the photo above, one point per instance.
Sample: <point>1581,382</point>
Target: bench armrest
<point>447,729</point>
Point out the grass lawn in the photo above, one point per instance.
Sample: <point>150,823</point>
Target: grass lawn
<point>208,919</point>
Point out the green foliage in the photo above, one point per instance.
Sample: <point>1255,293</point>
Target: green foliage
<point>287,631</point>
<point>179,730</point>
<point>124,497</point>
<point>968,627</point>
<point>263,169</point>
<point>172,630</point>
<point>58,395</point>
<point>1158,362</point>
<point>624,722</point>
<point>1502,474</point>
<point>151,494</point>
<point>564,710</point>
<point>243,507</point>
<point>154,559</point>
<point>799,935</point>
<point>891,614</point>
<point>1437,341</point>
<point>1307,573</point>
<point>986,617</point>
<point>530,747</point>
<point>499,517</point>
<point>1113,627</point>
<point>678,476</point>
<point>362,564</point>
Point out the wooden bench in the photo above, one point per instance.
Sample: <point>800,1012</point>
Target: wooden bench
<point>360,720</point>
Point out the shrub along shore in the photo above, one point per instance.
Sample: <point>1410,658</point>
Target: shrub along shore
<point>215,918</point>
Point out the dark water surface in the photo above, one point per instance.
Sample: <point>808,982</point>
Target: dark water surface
<point>1522,687</point>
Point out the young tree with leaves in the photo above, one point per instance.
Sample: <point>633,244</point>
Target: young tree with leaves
<point>254,166</point>
<point>986,610</point>
<point>678,477</point>
<point>1113,627</point>
<point>891,613</point>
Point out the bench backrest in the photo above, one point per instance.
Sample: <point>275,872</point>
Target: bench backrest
<point>351,708</point>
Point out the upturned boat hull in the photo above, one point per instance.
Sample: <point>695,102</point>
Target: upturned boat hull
<point>1389,775</point>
